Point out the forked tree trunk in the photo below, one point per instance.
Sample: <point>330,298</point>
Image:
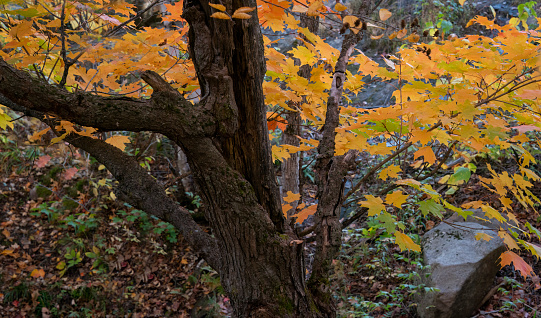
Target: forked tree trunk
<point>262,263</point>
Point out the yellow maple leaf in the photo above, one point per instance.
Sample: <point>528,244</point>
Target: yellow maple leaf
<point>285,209</point>
<point>390,172</point>
<point>305,213</point>
<point>483,236</point>
<point>374,204</point>
<point>290,197</point>
<point>118,141</point>
<point>508,240</point>
<point>397,198</point>
<point>405,242</point>
<point>492,213</point>
<point>37,136</point>
<point>5,120</point>
<point>427,153</point>
<point>314,7</point>
<point>535,249</point>
<point>304,55</point>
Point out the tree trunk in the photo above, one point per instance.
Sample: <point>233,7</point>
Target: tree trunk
<point>290,166</point>
<point>262,264</point>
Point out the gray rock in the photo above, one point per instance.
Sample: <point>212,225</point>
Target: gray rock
<point>461,268</point>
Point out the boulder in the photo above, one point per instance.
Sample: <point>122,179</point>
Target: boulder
<point>461,267</point>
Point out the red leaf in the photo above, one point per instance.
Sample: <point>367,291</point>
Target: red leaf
<point>70,173</point>
<point>42,161</point>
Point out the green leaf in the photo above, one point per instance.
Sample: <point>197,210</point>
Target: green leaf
<point>461,175</point>
<point>27,13</point>
<point>388,221</point>
<point>533,230</point>
<point>430,206</point>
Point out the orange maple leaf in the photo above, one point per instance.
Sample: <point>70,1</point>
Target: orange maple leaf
<point>520,265</point>
<point>38,273</point>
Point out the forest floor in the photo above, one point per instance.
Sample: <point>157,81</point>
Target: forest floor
<point>69,248</point>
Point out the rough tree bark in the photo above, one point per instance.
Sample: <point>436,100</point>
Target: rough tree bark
<point>224,136</point>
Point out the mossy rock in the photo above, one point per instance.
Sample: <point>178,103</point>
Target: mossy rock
<point>51,175</point>
<point>43,192</point>
<point>80,185</point>
<point>69,204</point>
<point>72,192</point>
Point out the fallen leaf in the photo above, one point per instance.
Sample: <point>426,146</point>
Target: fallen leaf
<point>37,273</point>
<point>42,161</point>
<point>70,173</point>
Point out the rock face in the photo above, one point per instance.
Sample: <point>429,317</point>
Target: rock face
<point>462,268</point>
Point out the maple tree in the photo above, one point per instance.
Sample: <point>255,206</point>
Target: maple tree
<point>82,68</point>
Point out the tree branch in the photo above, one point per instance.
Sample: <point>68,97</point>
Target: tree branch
<point>391,187</point>
<point>143,192</point>
<point>167,112</point>
<point>330,179</point>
